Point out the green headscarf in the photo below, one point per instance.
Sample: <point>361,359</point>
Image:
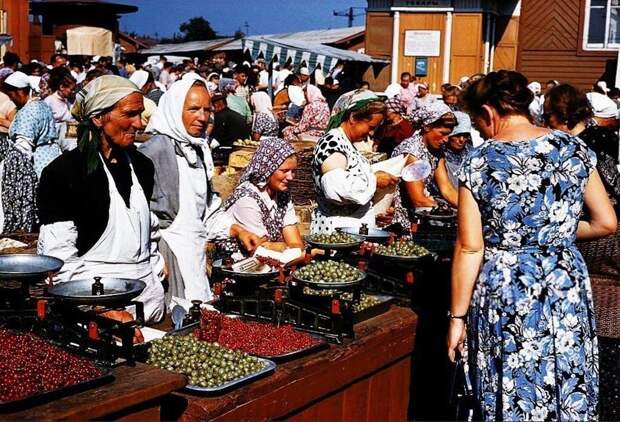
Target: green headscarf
<point>350,102</point>
<point>91,101</point>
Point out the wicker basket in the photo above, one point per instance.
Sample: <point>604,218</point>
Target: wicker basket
<point>606,295</point>
<point>302,187</point>
<point>602,256</point>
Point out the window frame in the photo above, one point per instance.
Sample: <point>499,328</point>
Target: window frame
<point>605,45</point>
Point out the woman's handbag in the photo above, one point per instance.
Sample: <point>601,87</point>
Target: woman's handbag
<point>462,399</point>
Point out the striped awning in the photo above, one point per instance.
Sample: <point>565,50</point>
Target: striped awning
<point>312,54</point>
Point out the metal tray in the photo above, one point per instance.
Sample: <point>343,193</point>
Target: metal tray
<point>374,235</point>
<point>80,291</point>
<point>440,217</point>
<point>405,259</point>
<point>39,398</point>
<point>244,276</point>
<point>269,367</point>
<point>320,344</point>
<point>24,266</point>
<point>373,311</point>
<point>336,246</point>
<point>332,285</point>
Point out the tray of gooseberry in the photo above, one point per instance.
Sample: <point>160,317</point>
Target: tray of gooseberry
<point>402,251</point>
<point>328,274</point>
<point>334,241</point>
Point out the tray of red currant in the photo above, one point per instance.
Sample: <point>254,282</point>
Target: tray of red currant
<point>33,371</point>
<point>268,341</point>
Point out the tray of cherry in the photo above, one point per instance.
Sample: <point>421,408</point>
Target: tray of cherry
<point>33,371</point>
<point>268,341</point>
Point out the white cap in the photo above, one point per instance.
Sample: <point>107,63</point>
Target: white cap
<point>18,80</point>
<point>535,87</point>
<point>96,59</point>
<point>603,86</point>
<point>464,79</point>
<point>304,71</point>
<point>139,77</point>
<point>602,106</point>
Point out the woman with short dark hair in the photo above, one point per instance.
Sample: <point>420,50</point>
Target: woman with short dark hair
<point>519,283</point>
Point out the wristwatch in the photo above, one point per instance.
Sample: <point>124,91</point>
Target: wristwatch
<point>463,317</point>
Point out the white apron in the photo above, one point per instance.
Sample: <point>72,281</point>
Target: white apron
<point>123,250</point>
<point>187,235</point>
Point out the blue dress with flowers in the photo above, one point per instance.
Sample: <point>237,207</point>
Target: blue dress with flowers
<point>532,342</point>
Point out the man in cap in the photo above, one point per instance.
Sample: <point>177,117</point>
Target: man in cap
<point>93,201</point>
<point>304,76</point>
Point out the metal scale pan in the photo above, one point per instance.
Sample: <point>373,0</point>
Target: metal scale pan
<point>32,268</point>
<point>357,241</point>
<point>80,292</point>
<point>247,276</point>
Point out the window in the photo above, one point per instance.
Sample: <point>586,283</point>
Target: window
<point>602,26</point>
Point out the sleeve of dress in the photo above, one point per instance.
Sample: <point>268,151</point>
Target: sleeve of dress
<point>342,187</point>
<point>290,218</point>
<point>24,144</point>
<point>157,260</point>
<point>59,240</point>
<point>246,212</point>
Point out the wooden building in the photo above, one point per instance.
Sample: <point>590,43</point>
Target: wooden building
<point>14,24</point>
<point>52,18</point>
<point>574,41</point>
<point>447,38</point>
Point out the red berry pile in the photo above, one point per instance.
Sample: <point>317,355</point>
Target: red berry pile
<point>251,337</point>
<point>30,365</point>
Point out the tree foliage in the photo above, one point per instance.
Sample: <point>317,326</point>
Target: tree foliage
<point>197,29</point>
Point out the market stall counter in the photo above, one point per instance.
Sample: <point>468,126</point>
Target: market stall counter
<point>135,394</point>
<point>364,379</point>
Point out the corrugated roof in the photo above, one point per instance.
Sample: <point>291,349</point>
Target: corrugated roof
<point>186,46</point>
<point>318,36</point>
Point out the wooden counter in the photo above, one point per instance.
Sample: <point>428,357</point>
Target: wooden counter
<point>366,379</point>
<point>135,394</point>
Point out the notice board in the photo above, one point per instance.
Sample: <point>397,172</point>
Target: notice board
<point>422,43</point>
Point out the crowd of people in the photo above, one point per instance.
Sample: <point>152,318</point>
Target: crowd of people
<point>529,172</point>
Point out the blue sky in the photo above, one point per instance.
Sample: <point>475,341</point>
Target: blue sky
<point>226,16</point>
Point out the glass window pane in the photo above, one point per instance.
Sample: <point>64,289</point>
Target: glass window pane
<point>614,25</point>
<point>602,3</point>
<point>596,27</point>
<point>615,2</point>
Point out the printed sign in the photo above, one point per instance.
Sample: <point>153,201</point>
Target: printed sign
<point>422,43</point>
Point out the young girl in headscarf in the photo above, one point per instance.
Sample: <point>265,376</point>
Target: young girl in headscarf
<point>314,118</point>
<point>261,203</point>
<point>265,123</point>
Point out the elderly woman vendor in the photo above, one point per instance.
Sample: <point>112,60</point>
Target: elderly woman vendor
<point>93,201</point>
<point>343,179</point>
<point>183,197</point>
<point>261,202</point>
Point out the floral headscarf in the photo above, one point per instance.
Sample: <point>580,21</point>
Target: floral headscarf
<point>269,156</point>
<point>228,86</point>
<point>429,113</point>
<point>349,102</point>
<point>394,105</point>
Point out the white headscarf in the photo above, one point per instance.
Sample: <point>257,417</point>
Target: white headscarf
<point>139,77</point>
<point>168,119</point>
<point>19,80</point>
<point>261,102</point>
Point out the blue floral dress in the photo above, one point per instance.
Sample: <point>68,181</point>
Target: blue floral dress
<point>532,342</point>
